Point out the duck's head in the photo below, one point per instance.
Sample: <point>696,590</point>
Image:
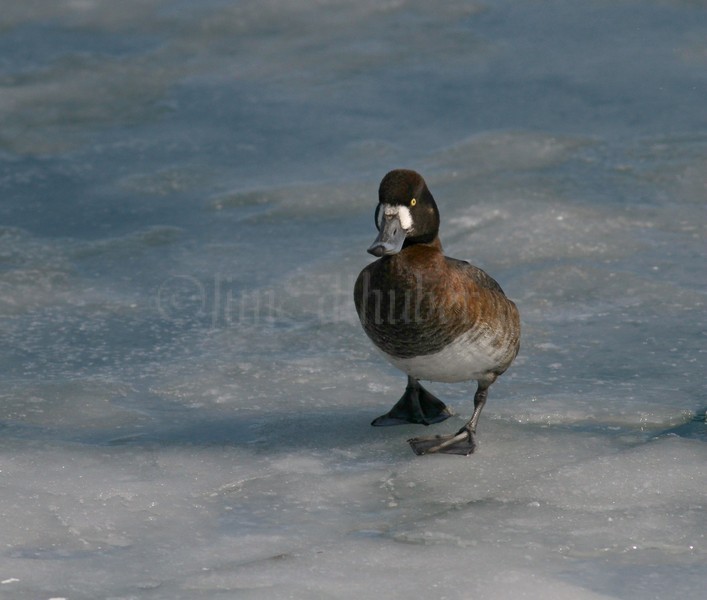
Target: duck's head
<point>406,213</point>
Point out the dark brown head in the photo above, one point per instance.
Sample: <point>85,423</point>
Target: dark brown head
<point>406,213</point>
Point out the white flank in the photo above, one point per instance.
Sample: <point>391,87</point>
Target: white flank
<point>459,361</point>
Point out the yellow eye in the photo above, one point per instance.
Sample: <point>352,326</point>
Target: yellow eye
<point>413,202</point>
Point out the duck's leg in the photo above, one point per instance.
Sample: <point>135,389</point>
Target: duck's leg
<point>417,405</point>
<point>464,441</point>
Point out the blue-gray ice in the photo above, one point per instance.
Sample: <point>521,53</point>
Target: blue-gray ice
<point>186,195</point>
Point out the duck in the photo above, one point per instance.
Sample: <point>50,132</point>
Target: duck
<point>433,317</point>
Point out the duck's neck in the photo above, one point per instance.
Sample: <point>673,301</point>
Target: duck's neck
<point>435,243</point>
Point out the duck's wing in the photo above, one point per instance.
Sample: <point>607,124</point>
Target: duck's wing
<point>478,276</point>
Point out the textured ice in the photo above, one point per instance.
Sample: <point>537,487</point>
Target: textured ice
<point>187,196</point>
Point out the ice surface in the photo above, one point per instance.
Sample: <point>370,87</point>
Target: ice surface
<point>187,195</point>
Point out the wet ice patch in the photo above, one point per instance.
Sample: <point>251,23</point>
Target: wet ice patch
<point>296,199</point>
<point>58,104</point>
<point>535,228</point>
<point>70,407</point>
<point>503,151</point>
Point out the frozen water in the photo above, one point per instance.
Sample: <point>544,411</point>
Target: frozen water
<point>187,195</point>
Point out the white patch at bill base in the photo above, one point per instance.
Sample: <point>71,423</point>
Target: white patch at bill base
<point>403,214</point>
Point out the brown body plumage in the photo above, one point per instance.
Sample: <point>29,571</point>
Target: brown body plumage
<point>434,317</point>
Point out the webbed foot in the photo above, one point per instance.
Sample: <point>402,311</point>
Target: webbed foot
<point>462,442</point>
<point>417,405</point>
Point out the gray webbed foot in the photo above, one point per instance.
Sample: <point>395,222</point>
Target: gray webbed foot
<point>417,406</point>
<point>463,442</point>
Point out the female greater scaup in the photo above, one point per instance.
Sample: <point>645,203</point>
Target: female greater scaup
<point>433,317</point>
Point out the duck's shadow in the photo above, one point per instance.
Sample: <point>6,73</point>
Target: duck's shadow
<point>284,431</point>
